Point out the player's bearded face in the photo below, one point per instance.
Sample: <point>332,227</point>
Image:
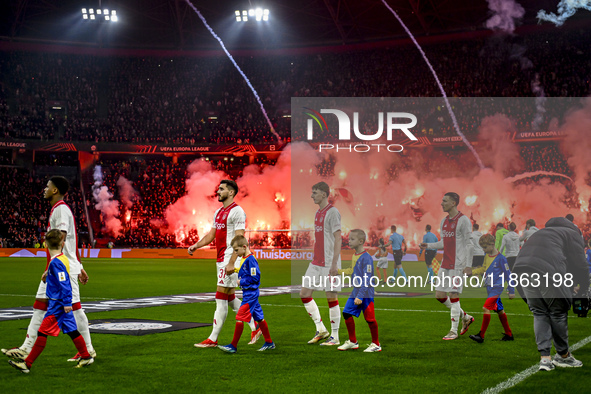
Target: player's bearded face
<point>223,194</point>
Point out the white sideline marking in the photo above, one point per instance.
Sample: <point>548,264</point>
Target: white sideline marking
<point>33,295</point>
<point>399,310</point>
<point>526,373</point>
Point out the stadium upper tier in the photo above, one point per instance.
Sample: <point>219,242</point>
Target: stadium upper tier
<point>204,100</point>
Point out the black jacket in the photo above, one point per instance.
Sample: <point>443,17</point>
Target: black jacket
<point>557,248</point>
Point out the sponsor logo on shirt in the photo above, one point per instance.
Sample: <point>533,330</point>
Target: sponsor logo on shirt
<point>253,271</point>
<point>447,233</point>
<point>61,276</point>
<point>220,226</point>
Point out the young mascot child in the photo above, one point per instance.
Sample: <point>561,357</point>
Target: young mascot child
<point>59,314</point>
<point>361,298</point>
<point>496,273</point>
<point>249,279</point>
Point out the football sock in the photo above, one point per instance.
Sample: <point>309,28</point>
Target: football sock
<point>237,333</point>
<point>445,301</point>
<point>335,318</point>
<point>505,323</point>
<point>82,323</point>
<point>456,314</point>
<point>81,346</point>
<point>37,349</point>
<point>314,313</point>
<point>370,317</point>
<point>431,273</point>
<point>395,274</point>
<point>265,329</point>
<point>351,329</point>
<point>401,270</point>
<point>34,325</point>
<point>219,317</point>
<point>485,322</point>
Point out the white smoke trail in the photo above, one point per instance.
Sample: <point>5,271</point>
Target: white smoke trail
<point>447,104</point>
<point>566,9</point>
<point>126,191</point>
<point>237,67</point>
<point>505,13</point>
<point>105,204</point>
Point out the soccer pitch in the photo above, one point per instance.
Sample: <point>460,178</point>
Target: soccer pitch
<point>414,358</point>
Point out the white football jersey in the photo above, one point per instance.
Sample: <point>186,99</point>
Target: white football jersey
<point>226,221</point>
<point>61,218</point>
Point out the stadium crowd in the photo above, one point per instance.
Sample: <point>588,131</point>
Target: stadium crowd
<point>205,100</point>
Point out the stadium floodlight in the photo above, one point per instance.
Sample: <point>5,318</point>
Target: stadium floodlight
<point>259,14</point>
<point>109,15</point>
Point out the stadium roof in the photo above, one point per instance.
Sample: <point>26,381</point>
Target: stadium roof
<point>172,24</point>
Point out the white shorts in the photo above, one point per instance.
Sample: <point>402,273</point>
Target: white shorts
<point>382,262</point>
<point>42,289</point>
<point>224,280</point>
<point>317,278</point>
<point>450,280</point>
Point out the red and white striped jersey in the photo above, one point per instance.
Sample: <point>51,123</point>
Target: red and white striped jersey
<point>455,242</point>
<point>326,223</point>
<point>61,218</point>
<point>226,221</point>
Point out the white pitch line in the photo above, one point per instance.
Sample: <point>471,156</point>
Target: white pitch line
<point>33,295</point>
<point>398,310</point>
<point>526,373</point>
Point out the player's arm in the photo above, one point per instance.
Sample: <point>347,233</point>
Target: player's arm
<point>59,271</point>
<point>507,274</point>
<point>230,266</point>
<point>334,271</point>
<point>248,278</point>
<point>209,237</point>
<point>503,245</point>
<point>468,249</point>
<point>405,247</point>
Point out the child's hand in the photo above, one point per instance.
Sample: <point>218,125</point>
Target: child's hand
<point>468,271</point>
<point>44,277</point>
<point>67,309</point>
<point>358,301</point>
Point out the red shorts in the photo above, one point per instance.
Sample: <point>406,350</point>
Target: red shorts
<point>49,326</point>
<point>493,304</point>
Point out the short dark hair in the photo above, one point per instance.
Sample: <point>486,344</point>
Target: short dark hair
<point>530,222</point>
<point>230,184</point>
<point>53,239</point>
<point>323,187</point>
<point>360,233</point>
<point>453,196</point>
<point>500,225</point>
<point>570,217</point>
<point>393,228</point>
<point>428,227</point>
<point>61,183</point>
<point>512,226</point>
<point>475,226</point>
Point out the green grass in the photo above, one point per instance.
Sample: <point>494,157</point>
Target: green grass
<point>414,358</point>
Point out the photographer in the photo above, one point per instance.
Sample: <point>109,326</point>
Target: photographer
<point>548,266</point>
